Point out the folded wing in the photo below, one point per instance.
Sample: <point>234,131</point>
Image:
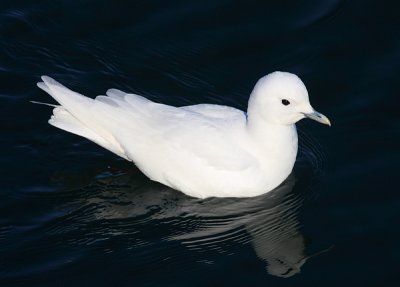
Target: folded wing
<point>157,137</point>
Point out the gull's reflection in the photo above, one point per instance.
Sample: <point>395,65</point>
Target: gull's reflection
<point>271,222</point>
<point>268,223</point>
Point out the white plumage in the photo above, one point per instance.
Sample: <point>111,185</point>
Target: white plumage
<point>202,150</point>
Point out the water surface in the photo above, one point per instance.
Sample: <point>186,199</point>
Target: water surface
<point>73,214</point>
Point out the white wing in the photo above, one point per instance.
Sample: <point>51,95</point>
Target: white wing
<point>154,136</point>
<point>217,112</point>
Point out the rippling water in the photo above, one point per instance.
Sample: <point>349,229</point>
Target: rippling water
<point>72,214</point>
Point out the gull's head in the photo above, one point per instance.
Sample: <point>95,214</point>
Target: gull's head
<point>282,98</point>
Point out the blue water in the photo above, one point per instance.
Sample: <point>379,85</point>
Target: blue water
<point>73,214</point>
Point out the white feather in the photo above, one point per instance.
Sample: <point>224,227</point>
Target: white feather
<point>202,150</point>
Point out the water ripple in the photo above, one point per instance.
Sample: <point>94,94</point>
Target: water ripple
<point>108,209</point>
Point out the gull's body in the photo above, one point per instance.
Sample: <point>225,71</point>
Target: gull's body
<point>202,150</point>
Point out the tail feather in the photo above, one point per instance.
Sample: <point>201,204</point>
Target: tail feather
<point>62,119</point>
<point>62,94</point>
<point>44,104</point>
<point>74,115</point>
<point>43,86</point>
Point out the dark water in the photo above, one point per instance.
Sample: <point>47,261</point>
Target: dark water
<point>73,214</point>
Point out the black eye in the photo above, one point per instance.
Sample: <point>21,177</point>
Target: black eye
<point>285,102</point>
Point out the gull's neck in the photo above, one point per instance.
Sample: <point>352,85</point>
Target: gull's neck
<point>265,131</point>
<point>276,145</point>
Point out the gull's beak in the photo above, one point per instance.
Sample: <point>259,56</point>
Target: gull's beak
<point>316,116</point>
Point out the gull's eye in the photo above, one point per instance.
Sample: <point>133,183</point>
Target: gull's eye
<point>285,102</point>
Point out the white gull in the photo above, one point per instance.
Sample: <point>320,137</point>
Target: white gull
<point>202,150</point>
